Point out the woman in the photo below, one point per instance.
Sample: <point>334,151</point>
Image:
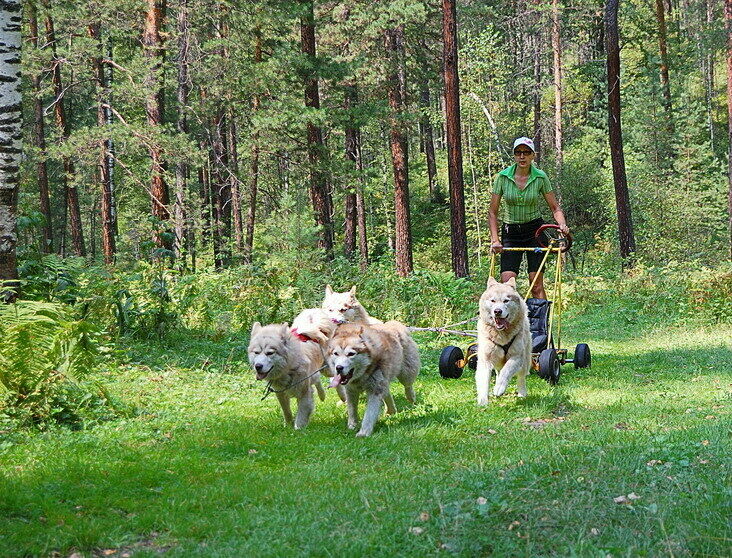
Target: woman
<point>522,184</point>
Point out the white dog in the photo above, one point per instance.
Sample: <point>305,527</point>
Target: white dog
<point>367,359</point>
<point>504,339</point>
<point>290,368</point>
<point>313,325</point>
<point>345,308</point>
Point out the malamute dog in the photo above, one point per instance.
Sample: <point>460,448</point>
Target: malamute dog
<point>313,325</point>
<point>368,358</point>
<point>345,308</point>
<point>289,366</point>
<point>504,339</point>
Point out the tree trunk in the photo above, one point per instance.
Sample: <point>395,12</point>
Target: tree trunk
<point>181,246</point>
<point>709,59</point>
<point>622,199</point>
<point>11,119</point>
<point>234,184</point>
<point>319,194</point>
<point>220,193</point>
<point>70,192</point>
<point>663,51</point>
<point>557,48</point>
<point>728,24</point>
<point>152,43</point>
<point>399,153</point>
<point>458,237</point>
<point>254,160</point>
<point>428,141</point>
<point>39,139</point>
<point>351,148</point>
<point>104,170</point>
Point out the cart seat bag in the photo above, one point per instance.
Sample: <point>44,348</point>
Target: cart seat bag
<point>539,322</point>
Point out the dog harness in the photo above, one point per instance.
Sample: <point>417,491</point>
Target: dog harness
<point>301,337</point>
<point>507,345</point>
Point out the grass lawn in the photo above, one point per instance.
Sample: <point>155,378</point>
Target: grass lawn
<point>207,469</point>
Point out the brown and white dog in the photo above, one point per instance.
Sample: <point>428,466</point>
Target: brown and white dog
<point>367,359</point>
<point>345,308</point>
<point>504,339</point>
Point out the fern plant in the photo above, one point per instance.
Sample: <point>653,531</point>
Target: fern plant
<point>44,356</point>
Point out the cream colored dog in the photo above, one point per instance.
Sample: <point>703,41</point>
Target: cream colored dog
<point>290,368</point>
<point>345,308</point>
<point>504,339</point>
<point>367,359</point>
<point>313,325</point>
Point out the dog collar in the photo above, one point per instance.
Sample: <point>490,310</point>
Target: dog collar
<point>301,337</point>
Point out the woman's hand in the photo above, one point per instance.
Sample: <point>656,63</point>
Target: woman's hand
<point>496,247</point>
<point>564,229</point>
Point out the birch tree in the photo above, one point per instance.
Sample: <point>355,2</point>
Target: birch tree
<point>10,144</point>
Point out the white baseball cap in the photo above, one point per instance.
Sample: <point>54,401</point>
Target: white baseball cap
<point>528,142</point>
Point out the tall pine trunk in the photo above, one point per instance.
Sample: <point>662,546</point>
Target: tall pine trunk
<point>11,119</point>
<point>104,164</point>
<point>458,237</point>
<point>71,194</point>
<point>152,43</point>
<point>39,139</point>
<point>234,183</point>
<point>557,48</point>
<point>254,159</point>
<point>181,246</point>
<point>399,152</point>
<point>351,149</point>
<point>663,52</point>
<point>319,194</point>
<point>615,134</point>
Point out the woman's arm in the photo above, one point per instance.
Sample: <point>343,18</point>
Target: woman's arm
<point>557,212</point>
<point>496,245</point>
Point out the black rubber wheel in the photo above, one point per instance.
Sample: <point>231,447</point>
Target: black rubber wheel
<point>582,357</point>
<point>549,366</point>
<point>449,362</point>
<point>472,360</point>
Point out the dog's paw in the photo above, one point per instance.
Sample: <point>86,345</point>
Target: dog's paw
<point>521,393</point>
<point>362,434</point>
<point>352,426</point>
<point>483,401</point>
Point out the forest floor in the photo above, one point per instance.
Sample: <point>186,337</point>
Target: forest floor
<point>628,458</point>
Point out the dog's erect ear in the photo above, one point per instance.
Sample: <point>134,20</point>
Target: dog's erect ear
<point>328,290</point>
<point>491,281</point>
<point>511,282</point>
<point>256,326</point>
<point>353,291</point>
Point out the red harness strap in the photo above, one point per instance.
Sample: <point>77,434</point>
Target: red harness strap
<point>301,337</point>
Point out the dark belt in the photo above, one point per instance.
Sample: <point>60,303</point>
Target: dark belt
<point>519,228</point>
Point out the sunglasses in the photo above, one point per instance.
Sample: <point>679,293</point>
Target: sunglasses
<point>519,153</point>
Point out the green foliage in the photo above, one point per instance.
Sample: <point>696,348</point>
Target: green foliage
<point>44,359</point>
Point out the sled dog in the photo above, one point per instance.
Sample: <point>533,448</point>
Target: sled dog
<point>289,366</point>
<point>504,339</point>
<point>313,325</point>
<point>345,308</point>
<point>367,359</point>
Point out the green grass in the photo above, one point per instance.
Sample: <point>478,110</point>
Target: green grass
<point>207,469</point>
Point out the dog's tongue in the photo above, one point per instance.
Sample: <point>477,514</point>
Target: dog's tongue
<point>335,381</point>
<point>501,322</point>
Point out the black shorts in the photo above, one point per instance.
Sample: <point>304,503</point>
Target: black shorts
<point>520,235</point>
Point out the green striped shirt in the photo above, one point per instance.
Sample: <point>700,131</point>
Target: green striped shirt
<point>522,205</point>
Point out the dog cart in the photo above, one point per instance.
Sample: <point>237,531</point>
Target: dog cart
<point>545,318</point>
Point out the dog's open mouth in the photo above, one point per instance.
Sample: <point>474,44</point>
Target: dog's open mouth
<point>261,375</point>
<point>501,323</point>
<point>341,379</point>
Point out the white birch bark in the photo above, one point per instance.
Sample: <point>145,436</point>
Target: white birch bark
<point>10,139</point>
